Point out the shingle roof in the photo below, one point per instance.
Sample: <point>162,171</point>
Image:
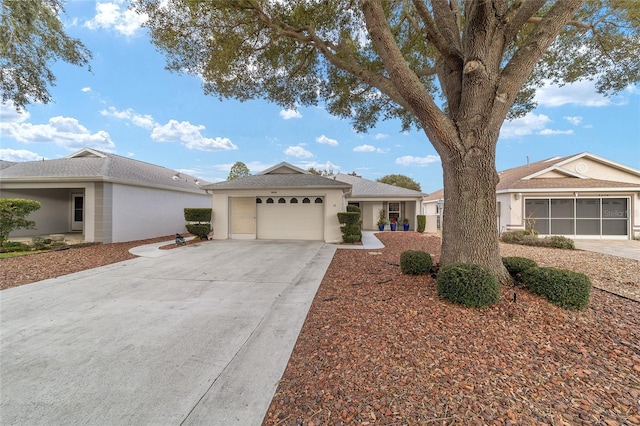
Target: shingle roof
<point>270,181</point>
<point>369,188</point>
<point>514,178</point>
<point>92,165</point>
<point>4,164</point>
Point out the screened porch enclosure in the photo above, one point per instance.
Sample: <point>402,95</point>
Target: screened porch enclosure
<point>584,217</point>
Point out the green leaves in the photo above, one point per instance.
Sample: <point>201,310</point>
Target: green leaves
<point>13,215</point>
<point>31,37</point>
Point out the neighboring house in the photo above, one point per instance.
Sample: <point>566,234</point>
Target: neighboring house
<point>282,202</point>
<point>105,197</point>
<point>398,203</point>
<point>286,202</point>
<point>578,196</point>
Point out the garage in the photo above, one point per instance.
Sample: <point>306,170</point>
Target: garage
<point>290,218</point>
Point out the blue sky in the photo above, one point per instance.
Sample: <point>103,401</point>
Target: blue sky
<point>130,105</point>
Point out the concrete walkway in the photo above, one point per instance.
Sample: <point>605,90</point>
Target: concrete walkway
<point>621,248</point>
<point>200,335</point>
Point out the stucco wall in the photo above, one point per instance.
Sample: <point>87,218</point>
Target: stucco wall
<point>139,213</point>
<point>333,202</point>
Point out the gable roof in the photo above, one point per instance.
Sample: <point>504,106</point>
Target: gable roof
<point>532,176</point>
<point>282,175</point>
<point>92,165</point>
<point>364,188</point>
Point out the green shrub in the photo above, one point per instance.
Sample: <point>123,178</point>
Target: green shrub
<point>353,209</point>
<point>517,265</point>
<point>13,246</point>
<point>200,230</point>
<point>415,262</point>
<point>422,222</point>
<point>468,284</point>
<point>13,215</point>
<point>197,214</point>
<point>351,225</point>
<point>559,242</point>
<point>567,289</point>
<point>515,237</point>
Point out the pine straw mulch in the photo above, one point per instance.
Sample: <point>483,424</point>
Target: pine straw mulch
<point>380,348</point>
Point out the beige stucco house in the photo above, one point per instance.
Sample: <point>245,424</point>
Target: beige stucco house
<point>578,196</point>
<point>102,197</point>
<point>286,202</point>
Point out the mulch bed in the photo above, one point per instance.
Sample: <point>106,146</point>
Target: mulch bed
<point>381,348</point>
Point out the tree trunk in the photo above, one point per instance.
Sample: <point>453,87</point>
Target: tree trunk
<point>469,229</point>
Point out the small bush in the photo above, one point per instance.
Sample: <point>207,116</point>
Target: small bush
<point>415,262</point>
<point>525,238</point>
<point>197,214</point>
<point>517,265</point>
<point>567,289</point>
<point>199,230</point>
<point>351,225</point>
<point>353,209</point>
<point>13,246</point>
<point>422,222</point>
<point>468,284</point>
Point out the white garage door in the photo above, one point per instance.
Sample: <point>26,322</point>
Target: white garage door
<point>290,218</point>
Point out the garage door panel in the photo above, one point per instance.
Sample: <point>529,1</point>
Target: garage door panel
<point>290,221</point>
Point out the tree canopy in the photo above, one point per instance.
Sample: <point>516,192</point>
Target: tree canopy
<point>31,38</point>
<point>238,170</point>
<point>454,69</point>
<point>401,181</point>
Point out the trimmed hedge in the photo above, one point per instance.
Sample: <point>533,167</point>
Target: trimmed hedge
<point>200,230</point>
<point>422,222</point>
<point>351,225</point>
<point>353,209</point>
<point>567,289</point>
<point>192,214</point>
<point>415,262</point>
<point>468,284</point>
<point>525,238</point>
<point>517,265</point>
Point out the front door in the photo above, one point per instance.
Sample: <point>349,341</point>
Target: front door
<point>77,212</point>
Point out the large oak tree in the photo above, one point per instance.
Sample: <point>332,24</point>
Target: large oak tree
<point>455,69</point>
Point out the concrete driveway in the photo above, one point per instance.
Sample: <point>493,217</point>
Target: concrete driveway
<point>199,336</point>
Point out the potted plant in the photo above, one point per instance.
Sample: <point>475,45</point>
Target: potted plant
<point>382,219</point>
<point>405,224</point>
<point>393,224</point>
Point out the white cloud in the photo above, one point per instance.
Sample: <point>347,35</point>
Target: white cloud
<point>190,135</point>
<point>550,132</point>
<point>523,126</point>
<point>141,120</point>
<point>66,132</point>
<point>368,148</point>
<point>576,120</point>
<point>379,136</point>
<point>85,89</point>
<point>9,113</point>
<point>581,93</point>
<point>288,114</point>
<point>9,154</point>
<point>298,152</point>
<point>326,141</point>
<point>116,15</point>
<point>328,166</point>
<point>409,160</point>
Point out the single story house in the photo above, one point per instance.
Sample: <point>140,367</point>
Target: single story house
<point>581,196</point>
<point>286,202</point>
<point>370,196</point>
<point>104,197</point>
